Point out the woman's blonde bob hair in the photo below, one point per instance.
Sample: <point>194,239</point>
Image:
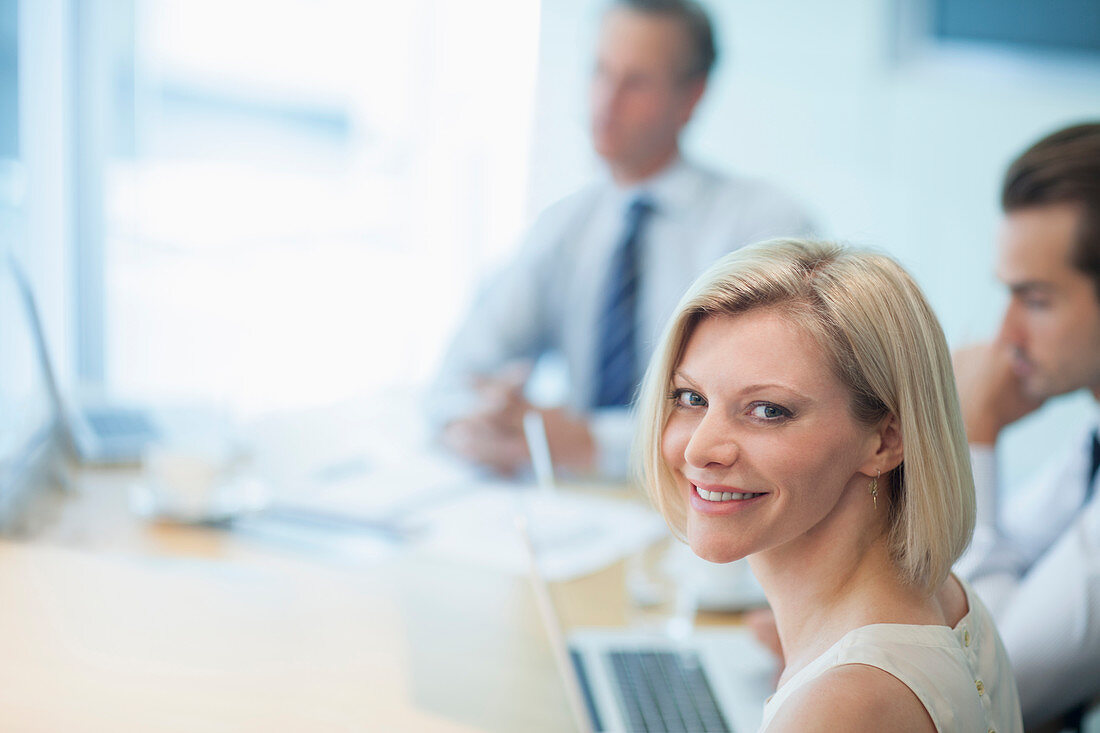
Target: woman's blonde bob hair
<point>884,343</point>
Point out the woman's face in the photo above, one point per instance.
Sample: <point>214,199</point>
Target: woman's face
<point>761,438</point>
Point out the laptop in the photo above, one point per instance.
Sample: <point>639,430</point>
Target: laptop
<point>28,421</point>
<point>638,680</point>
<point>97,433</point>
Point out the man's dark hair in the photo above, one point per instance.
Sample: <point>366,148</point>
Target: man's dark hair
<point>1063,168</point>
<point>695,22</point>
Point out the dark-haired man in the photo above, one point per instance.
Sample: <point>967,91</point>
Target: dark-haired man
<point>601,269</point>
<point>1036,562</point>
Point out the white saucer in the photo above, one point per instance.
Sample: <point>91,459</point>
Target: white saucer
<point>232,499</point>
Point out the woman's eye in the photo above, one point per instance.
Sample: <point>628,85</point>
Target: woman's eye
<point>688,398</point>
<point>768,411</point>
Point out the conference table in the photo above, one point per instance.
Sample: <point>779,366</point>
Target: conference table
<point>113,622</point>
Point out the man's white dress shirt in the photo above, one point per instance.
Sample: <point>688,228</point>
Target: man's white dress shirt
<point>1036,563</point>
<point>549,298</point>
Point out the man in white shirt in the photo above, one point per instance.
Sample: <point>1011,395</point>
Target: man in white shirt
<point>602,268</point>
<point>1036,561</point>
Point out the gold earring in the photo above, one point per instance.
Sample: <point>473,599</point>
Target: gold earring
<point>874,487</point>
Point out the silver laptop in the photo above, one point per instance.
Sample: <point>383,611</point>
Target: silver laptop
<point>96,433</point>
<point>28,420</point>
<point>625,680</point>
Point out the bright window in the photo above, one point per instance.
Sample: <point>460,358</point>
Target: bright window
<point>308,191</point>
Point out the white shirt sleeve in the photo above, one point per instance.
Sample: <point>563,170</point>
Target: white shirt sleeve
<point>1036,564</point>
<point>1050,624</point>
<point>506,324</point>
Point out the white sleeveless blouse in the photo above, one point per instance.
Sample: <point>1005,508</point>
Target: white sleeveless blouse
<point>962,675</point>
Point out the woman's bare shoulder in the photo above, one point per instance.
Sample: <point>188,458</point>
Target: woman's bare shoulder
<point>853,697</point>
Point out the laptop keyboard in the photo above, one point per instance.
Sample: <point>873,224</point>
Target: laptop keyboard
<point>666,691</point>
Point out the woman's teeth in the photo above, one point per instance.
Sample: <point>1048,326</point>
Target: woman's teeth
<point>723,495</point>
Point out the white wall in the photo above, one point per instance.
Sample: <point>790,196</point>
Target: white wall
<point>899,147</point>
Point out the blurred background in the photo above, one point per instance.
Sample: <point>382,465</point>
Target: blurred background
<point>283,204</point>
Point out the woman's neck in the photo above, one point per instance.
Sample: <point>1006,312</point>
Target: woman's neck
<point>835,578</point>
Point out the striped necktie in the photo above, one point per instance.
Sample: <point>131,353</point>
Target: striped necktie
<point>617,349</point>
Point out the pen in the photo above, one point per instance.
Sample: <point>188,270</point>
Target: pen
<point>534,431</point>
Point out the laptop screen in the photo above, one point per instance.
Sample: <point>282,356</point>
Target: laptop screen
<point>27,415</point>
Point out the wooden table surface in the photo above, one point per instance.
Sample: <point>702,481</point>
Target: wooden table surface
<point>113,623</point>
<point>116,623</point>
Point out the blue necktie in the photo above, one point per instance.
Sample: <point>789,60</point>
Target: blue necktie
<point>617,349</point>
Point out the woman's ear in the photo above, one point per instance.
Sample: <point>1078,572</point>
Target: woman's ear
<point>890,450</point>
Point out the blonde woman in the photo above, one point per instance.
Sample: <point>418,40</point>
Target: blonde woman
<point>801,411</point>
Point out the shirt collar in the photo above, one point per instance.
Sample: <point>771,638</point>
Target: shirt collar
<point>671,190</point>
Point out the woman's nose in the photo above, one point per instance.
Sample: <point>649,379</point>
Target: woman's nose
<point>712,443</point>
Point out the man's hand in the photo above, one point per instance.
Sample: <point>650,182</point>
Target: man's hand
<point>571,444</point>
<point>493,436</point>
<point>761,622</point>
<point>990,393</point>
<point>480,439</point>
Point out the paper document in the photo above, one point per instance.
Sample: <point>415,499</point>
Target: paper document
<point>573,534</point>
